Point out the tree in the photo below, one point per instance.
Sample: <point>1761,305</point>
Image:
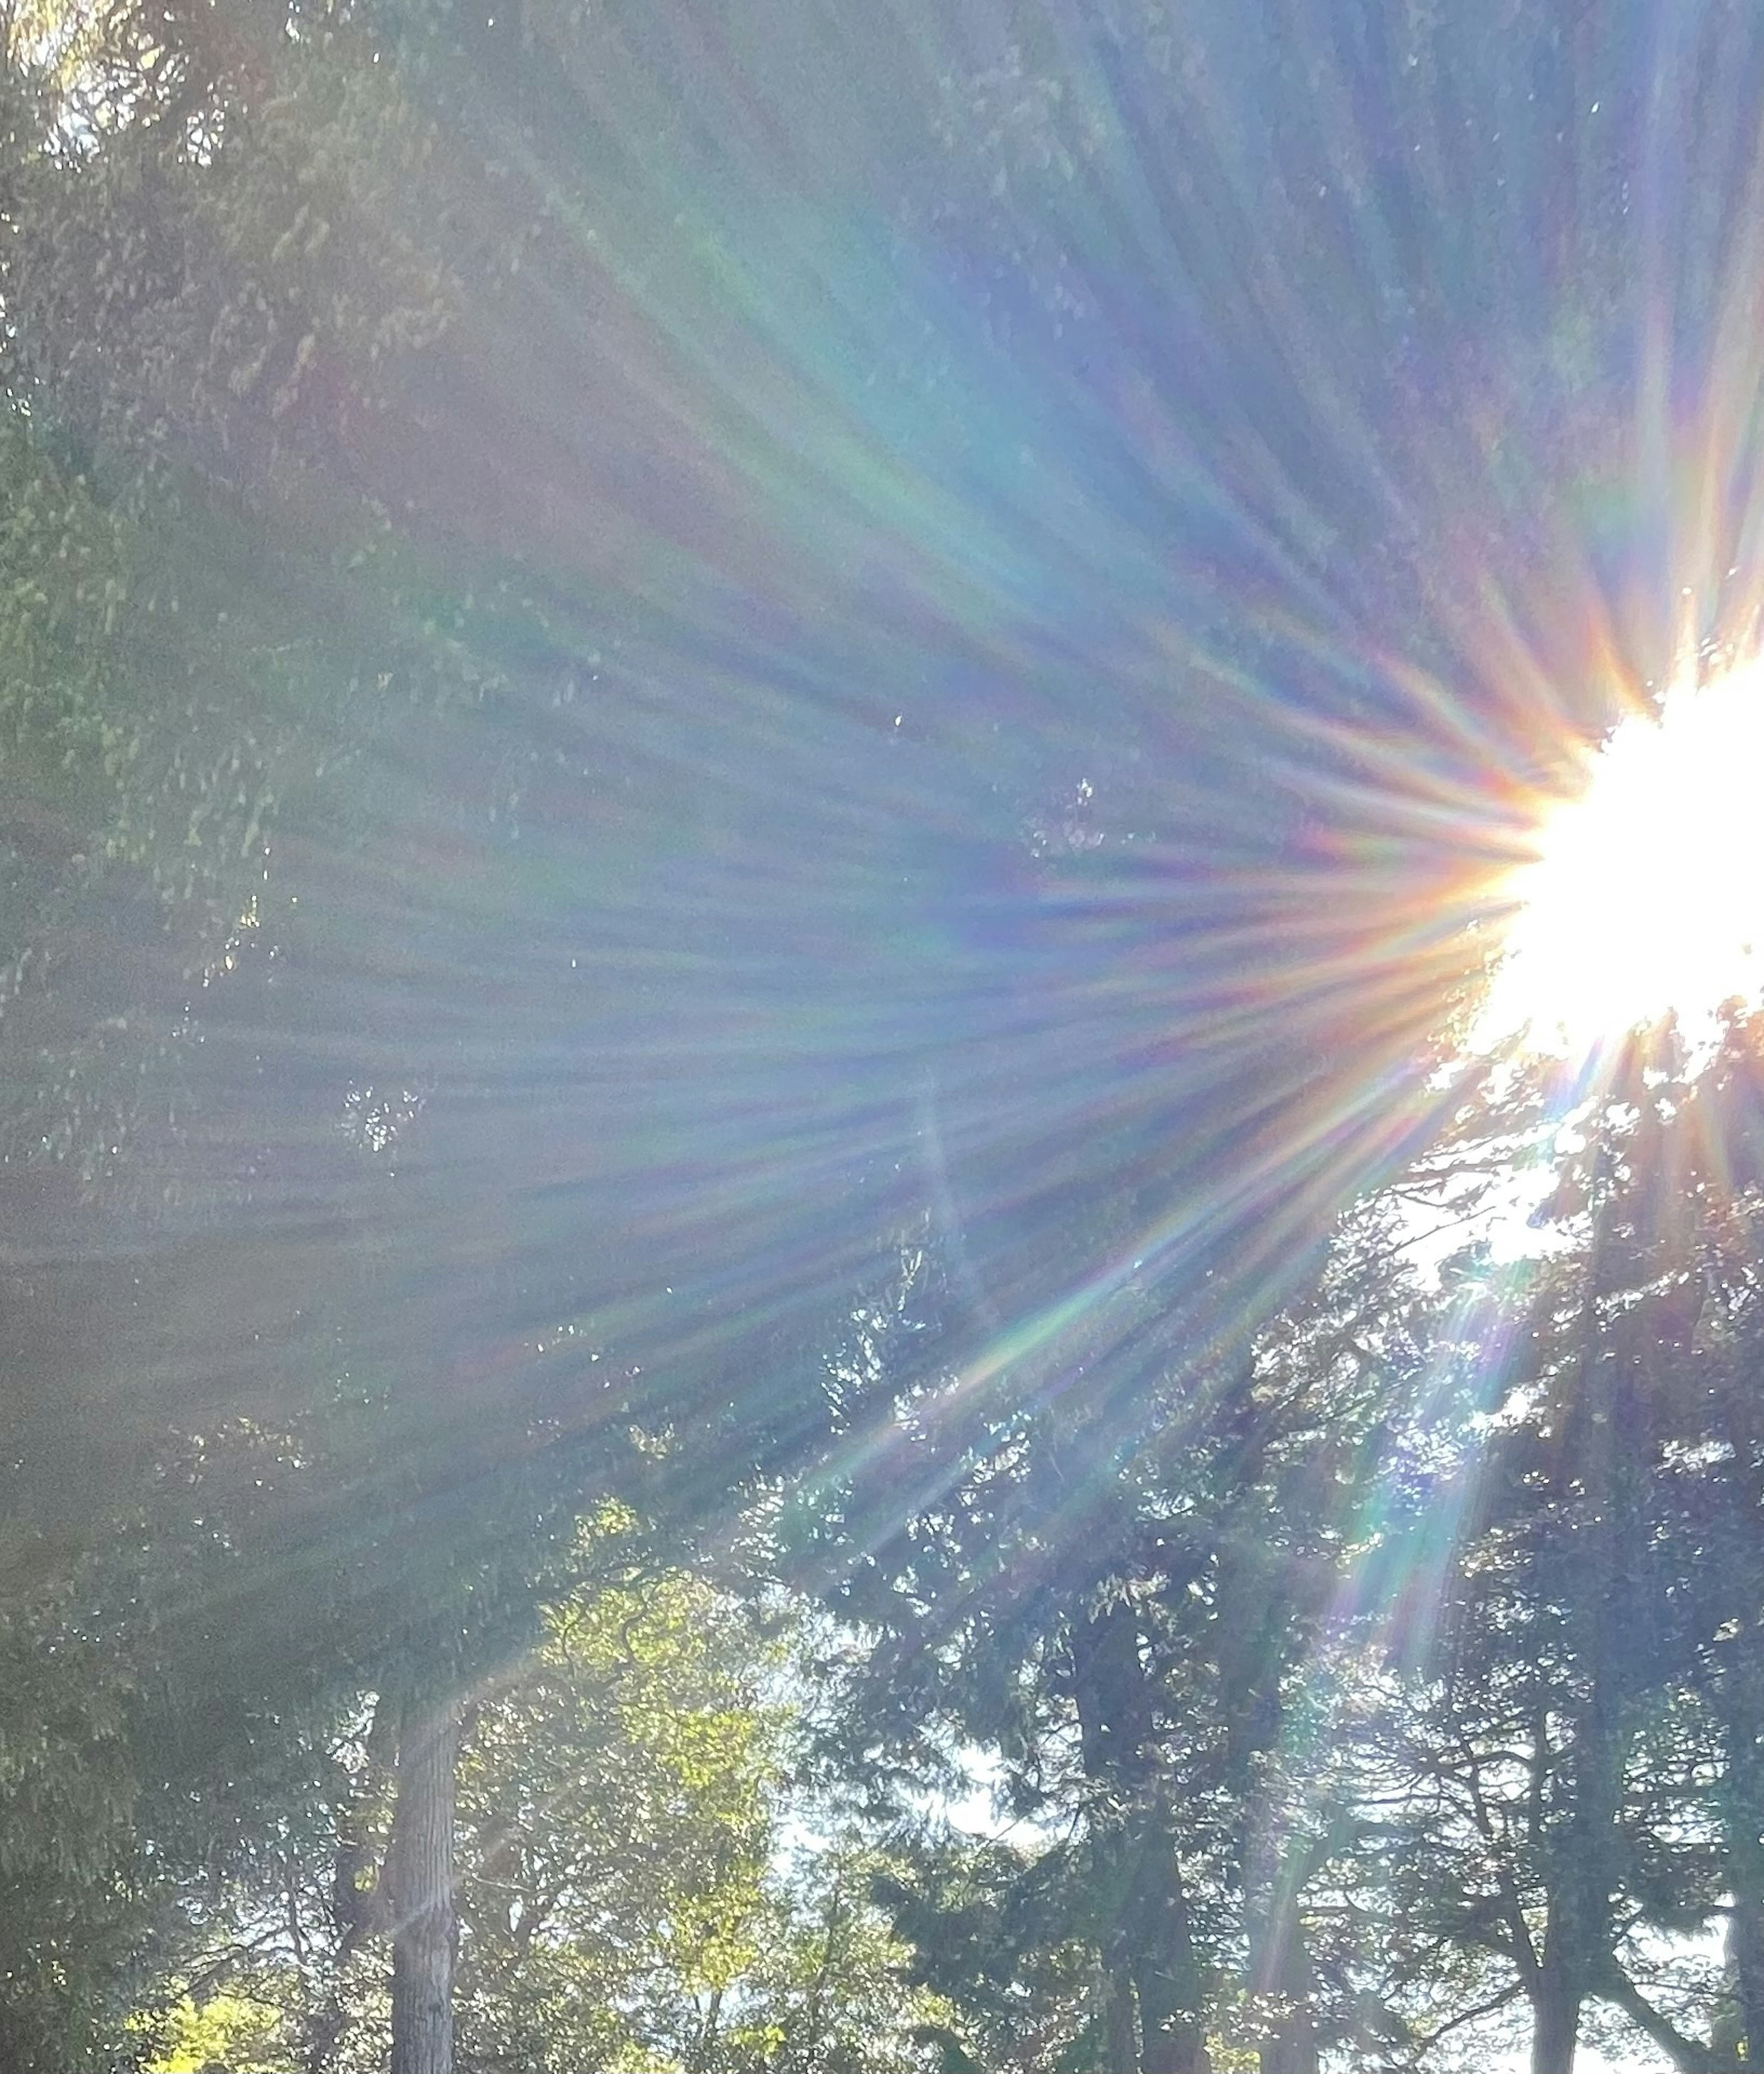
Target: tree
<point>80,1914</point>
<point>1550,1746</point>
<point>527,1160</point>
<point>1123,1599</point>
<point>623,1808</point>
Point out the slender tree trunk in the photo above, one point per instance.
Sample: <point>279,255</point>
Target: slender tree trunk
<point>1746,1949</point>
<point>1556,2021</point>
<point>1744,1839</point>
<point>1104,1661</point>
<point>1291,2045</point>
<point>1120,2037</point>
<point>802,2049</point>
<point>425,1922</point>
<point>1149,1936</point>
<point>1280,1968</point>
<point>1167,1975</point>
<point>1594,1486</point>
<point>700,2055</point>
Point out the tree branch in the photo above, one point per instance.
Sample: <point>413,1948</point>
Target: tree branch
<point>1687,2054</point>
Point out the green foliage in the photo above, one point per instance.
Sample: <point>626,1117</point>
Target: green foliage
<point>222,2030</point>
<point>996,1932</point>
<point>220,240</point>
<point>173,686</point>
<point>83,1916</point>
<point>625,1802</point>
<point>615,1803</point>
<point>221,233</point>
<point>639,1891</point>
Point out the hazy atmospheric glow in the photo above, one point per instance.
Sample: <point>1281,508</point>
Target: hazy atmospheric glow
<point>1646,892</point>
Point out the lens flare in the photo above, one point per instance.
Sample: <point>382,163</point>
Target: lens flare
<point>1646,894</point>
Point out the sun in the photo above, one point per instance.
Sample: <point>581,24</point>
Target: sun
<point>1645,893</point>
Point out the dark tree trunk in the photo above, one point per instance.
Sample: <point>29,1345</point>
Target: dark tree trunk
<point>1104,1667</point>
<point>1120,2036</point>
<point>424,1920</point>
<point>1172,2020</point>
<point>1173,2031</point>
<point>1139,1889</point>
<point>1555,2021</point>
<point>1291,2045</point>
<point>1746,1948</point>
<point>1280,1968</point>
<point>1744,1826</point>
<point>1594,1485</point>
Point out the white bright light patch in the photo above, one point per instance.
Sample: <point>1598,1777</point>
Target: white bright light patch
<point>1648,892</point>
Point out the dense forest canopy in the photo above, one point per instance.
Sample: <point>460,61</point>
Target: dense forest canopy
<point>772,1297</point>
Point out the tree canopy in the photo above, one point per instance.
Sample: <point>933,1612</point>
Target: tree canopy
<point>758,1287</point>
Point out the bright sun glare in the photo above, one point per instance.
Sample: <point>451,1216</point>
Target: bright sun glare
<point>1646,892</point>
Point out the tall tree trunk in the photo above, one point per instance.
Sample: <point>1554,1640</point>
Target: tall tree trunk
<point>1120,2037</point>
<point>1291,2045</point>
<point>1173,2029</point>
<point>1148,1933</point>
<point>1280,1968</point>
<point>1172,2021</point>
<point>699,2056</point>
<point>1556,2020</point>
<point>1744,1822</point>
<point>1745,1952</point>
<point>425,1922</point>
<point>1105,1668</point>
<point>1594,1486</point>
